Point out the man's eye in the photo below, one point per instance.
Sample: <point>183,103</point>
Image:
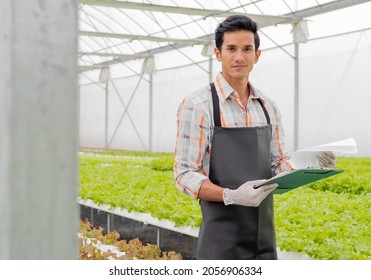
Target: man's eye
<point>231,49</point>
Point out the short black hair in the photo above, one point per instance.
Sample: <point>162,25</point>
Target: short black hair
<point>235,23</point>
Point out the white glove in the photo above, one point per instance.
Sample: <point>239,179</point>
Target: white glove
<point>326,159</point>
<point>246,195</point>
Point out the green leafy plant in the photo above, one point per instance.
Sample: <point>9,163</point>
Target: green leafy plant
<point>356,179</point>
<point>130,183</point>
<point>132,249</point>
<point>324,225</point>
<point>163,163</point>
<point>329,219</point>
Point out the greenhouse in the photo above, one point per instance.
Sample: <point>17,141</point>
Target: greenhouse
<point>88,112</point>
<point>155,59</point>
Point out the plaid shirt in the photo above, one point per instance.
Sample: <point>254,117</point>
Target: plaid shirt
<point>195,131</point>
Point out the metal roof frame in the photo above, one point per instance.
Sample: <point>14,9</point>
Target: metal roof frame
<point>177,43</point>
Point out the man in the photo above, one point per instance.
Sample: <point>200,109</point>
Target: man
<point>229,139</point>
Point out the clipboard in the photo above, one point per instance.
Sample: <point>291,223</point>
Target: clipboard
<point>298,177</point>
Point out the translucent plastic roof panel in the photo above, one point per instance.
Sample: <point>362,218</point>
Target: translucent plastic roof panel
<point>113,31</point>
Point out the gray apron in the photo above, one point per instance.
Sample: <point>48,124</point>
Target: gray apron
<point>238,154</point>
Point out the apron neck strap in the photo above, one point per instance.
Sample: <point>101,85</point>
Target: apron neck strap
<point>265,111</point>
<point>215,99</point>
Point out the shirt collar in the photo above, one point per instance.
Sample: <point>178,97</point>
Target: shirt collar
<point>224,89</point>
<point>255,94</point>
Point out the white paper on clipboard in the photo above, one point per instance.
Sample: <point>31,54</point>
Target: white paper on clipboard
<point>306,158</point>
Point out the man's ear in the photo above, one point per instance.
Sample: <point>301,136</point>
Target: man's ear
<point>257,55</point>
<point>218,54</point>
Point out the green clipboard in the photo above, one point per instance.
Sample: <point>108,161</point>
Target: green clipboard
<point>293,179</point>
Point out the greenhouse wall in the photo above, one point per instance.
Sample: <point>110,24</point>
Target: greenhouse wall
<point>334,97</point>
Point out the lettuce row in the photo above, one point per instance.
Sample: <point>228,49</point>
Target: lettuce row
<point>329,219</point>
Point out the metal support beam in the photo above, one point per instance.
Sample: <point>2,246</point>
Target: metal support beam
<point>296,98</point>
<point>185,10</point>
<point>92,216</point>
<point>106,116</point>
<point>194,249</point>
<point>326,8</point>
<point>159,237</point>
<point>297,15</point>
<point>126,108</point>
<point>110,222</point>
<point>211,69</point>
<point>131,37</point>
<point>150,133</point>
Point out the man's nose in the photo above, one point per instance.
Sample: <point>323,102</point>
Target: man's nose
<point>239,55</point>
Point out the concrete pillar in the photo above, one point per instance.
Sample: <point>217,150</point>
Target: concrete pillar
<point>38,129</point>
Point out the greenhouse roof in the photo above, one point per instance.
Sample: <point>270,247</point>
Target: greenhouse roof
<point>113,31</point>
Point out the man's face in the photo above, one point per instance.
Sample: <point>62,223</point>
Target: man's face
<point>237,54</point>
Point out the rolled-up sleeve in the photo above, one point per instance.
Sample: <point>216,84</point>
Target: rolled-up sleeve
<point>280,157</point>
<point>192,142</point>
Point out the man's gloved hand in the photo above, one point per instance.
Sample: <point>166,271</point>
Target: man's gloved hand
<point>246,195</point>
<point>326,159</point>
